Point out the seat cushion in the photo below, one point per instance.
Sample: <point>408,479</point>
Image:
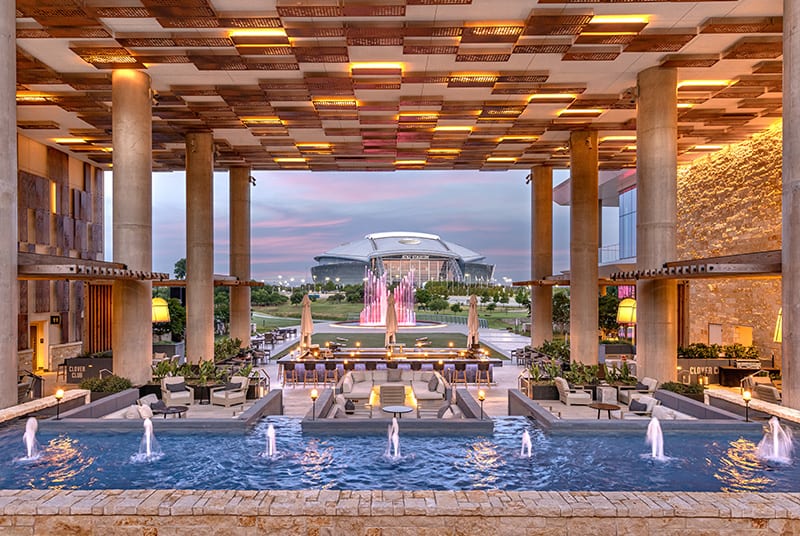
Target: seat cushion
<point>176,387</point>
<point>428,395</point>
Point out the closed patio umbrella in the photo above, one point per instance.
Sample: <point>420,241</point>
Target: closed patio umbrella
<point>391,320</point>
<point>472,322</point>
<point>306,324</point>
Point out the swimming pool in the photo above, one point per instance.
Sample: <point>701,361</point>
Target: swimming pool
<point>697,462</point>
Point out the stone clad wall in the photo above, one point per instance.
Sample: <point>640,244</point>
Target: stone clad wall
<point>729,203</point>
<point>384,513</point>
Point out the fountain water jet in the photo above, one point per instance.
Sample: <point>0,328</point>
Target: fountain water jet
<point>29,438</point>
<point>655,439</point>
<point>777,444</point>
<point>525,451</point>
<point>271,450</point>
<point>148,448</point>
<point>376,298</point>
<point>393,446</point>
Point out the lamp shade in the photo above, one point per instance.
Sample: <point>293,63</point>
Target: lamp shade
<point>160,310</point>
<point>626,311</point>
<point>778,336</point>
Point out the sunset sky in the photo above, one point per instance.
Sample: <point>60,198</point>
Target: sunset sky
<point>298,215</point>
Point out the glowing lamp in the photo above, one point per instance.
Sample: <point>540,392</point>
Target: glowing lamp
<point>160,311</point>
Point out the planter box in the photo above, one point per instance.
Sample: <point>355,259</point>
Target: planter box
<point>150,388</point>
<point>699,397</point>
<point>545,392</point>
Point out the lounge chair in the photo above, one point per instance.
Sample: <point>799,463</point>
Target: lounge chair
<point>646,386</point>
<point>174,391</point>
<point>578,397</point>
<point>235,392</point>
<point>767,393</point>
<point>642,407</point>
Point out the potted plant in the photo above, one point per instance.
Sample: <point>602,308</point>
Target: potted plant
<point>102,387</point>
<point>693,390</point>
<point>539,384</point>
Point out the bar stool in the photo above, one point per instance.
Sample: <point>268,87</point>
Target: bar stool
<point>472,372</point>
<point>331,373</point>
<point>404,366</point>
<point>360,366</point>
<point>339,371</point>
<point>449,372</point>
<point>482,374</point>
<point>381,366</point>
<point>62,372</point>
<point>427,366</point>
<point>319,373</point>
<point>295,374</point>
<point>310,373</point>
<point>370,365</point>
<point>417,365</point>
<point>459,373</point>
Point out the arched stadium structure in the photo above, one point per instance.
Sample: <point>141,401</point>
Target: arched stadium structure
<point>395,254</point>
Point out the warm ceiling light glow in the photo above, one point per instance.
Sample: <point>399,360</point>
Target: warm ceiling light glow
<point>262,121</point>
<point>619,19</point>
<point>410,162</point>
<point>376,68</point>
<point>313,145</point>
<point>445,128</point>
<point>335,101</point>
<point>501,159</point>
<point>581,111</point>
<point>68,141</point>
<point>609,33</point>
<point>289,160</point>
<point>685,105</point>
<point>258,32</point>
<point>617,138</point>
<point>519,139</point>
<point>30,96</point>
<point>707,147</point>
<point>444,151</point>
<point>552,96</point>
<point>704,83</point>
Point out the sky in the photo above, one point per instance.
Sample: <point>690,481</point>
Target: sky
<point>297,215</point>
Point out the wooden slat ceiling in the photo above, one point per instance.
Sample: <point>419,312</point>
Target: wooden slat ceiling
<point>461,84</point>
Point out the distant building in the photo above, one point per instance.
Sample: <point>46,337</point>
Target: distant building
<point>395,254</point>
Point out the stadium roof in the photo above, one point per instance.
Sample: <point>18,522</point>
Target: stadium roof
<point>396,84</point>
<point>400,243</point>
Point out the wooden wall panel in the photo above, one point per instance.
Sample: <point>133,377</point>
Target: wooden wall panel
<point>57,166</point>
<point>41,301</point>
<point>97,332</point>
<point>23,296</point>
<point>22,224</point>
<point>65,327</point>
<point>42,226</point>
<point>22,332</point>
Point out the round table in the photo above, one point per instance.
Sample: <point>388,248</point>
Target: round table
<point>397,410</point>
<point>171,410</point>
<point>602,406</point>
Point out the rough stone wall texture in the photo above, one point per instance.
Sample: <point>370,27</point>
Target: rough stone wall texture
<point>59,352</point>
<point>729,203</point>
<point>384,513</point>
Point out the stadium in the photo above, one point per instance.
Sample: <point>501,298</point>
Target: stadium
<point>397,253</point>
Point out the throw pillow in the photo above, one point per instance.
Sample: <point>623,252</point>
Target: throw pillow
<point>158,404</point>
<point>231,386</point>
<point>637,407</point>
<point>176,387</point>
<point>358,376</point>
<point>641,387</point>
<point>132,413</point>
<point>394,375</point>
<point>433,383</point>
<point>443,410</point>
<point>349,407</point>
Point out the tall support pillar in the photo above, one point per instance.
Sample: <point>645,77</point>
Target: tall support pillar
<point>240,252</point>
<point>9,291</point>
<point>132,327</point>
<point>583,247</point>
<point>790,364</point>
<point>199,246</point>
<point>657,171</point>
<point>541,254</point>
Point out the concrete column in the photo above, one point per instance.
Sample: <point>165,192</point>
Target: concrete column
<point>199,246</point>
<point>132,328</point>
<point>240,252</point>
<point>583,247</point>
<point>657,168</point>
<point>541,254</point>
<point>9,291</point>
<point>790,363</point>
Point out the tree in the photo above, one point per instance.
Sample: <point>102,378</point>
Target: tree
<point>423,297</point>
<point>437,304</point>
<point>456,307</point>
<point>561,310</point>
<point>491,307</point>
<point>296,297</point>
<point>336,298</point>
<point>222,309</point>
<point>523,297</point>
<point>607,312</point>
<point>180,269</point>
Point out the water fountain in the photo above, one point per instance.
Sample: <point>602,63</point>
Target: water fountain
<point>148,448</point>
<point>393,446</point>
<point>655,439</point>
<point>525,451</point>
<point>777,444</point>
<point>29,438</point>
<point>375,299</point>
<point>271,450</point>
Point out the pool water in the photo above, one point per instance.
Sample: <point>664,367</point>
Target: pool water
<point>697,462</point>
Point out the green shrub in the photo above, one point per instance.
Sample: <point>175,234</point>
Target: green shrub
<point>556,349</point>
<point>683,388</point>
<point>225,347</point>
<point>109,384</point>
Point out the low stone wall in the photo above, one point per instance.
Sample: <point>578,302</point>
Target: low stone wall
<point>60,352</point>
<point>386,513</point>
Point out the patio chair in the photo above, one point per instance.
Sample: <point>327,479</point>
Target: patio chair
<point>578,397</point>
<point>233,393</point>
<point>174,391</point>
<point>646,386</point>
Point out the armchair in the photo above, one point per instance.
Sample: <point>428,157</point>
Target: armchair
<point>174,391</point>
<point>235,392</point>
<point>572,396</point>
<point>646,386</point>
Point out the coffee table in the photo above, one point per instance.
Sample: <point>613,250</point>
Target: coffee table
<point>602,406</point>
<point>397,410</point>
<point>171,410</point>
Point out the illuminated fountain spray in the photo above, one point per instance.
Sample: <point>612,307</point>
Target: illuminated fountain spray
<point>29,438</point>
<point>376,298</point>
<point>777,444</point>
